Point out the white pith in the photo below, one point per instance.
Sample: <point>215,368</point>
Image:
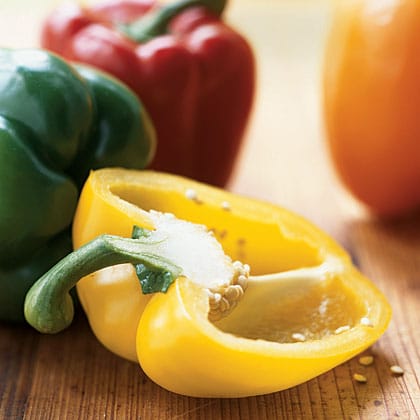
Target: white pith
<point>193,248</point>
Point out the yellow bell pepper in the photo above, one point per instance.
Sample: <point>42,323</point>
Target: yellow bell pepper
<point>302,310</point>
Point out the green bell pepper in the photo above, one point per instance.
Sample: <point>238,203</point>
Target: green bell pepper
<point>56,123</point>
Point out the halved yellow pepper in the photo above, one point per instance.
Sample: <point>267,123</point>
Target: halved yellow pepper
<point>177,346</point>
<point>316,312</point>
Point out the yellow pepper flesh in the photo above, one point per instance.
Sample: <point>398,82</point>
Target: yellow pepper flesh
<point>171,335</point>
<point>182,351</point>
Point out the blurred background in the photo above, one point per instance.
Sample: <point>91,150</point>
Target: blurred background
<point>286,129</point>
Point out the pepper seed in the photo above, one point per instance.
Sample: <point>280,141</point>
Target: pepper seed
<point>366,322</point>
<point>299,337</point>
<point>225,205</point>
<point>242,281</point>
<point>366,360</point>
<point>342,329</point>
<point>397,370</point>
<point>191,194</point>
<point>234,292</point>
<point>358,377</point>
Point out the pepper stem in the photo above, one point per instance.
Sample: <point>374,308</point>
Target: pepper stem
<point>48,305</point>
<point>156,21</point>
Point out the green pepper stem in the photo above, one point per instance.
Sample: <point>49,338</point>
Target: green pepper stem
<point>156,21</point>
<point>48,305</point>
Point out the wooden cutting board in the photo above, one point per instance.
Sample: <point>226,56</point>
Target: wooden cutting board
<point>71,376</point>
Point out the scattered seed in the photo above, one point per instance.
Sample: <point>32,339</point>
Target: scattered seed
<point>397,370</point>
<point>225,205</point>
<point>191,194</point>
<point>342,329</point>
<point>366,360</point>
<point>299,337</point>
<point>358,377</point>
<point>366,322</point>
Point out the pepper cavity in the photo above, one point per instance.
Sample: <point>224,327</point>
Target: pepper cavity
<point>196,250</point>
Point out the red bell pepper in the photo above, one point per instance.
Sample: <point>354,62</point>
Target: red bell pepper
<point>194,74</point>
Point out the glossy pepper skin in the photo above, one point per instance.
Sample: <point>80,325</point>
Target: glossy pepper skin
<point>194,74</point>
<point>56,123</point>
<point>372,101</point>
<point>170,334</point>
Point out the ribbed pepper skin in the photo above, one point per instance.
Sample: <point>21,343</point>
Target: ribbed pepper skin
<point>56,123</point>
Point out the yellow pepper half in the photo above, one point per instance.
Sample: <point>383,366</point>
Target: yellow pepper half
<point>305,309</point>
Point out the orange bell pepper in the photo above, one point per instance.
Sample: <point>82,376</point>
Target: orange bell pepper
<point>372,102</point>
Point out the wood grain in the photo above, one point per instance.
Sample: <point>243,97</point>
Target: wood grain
<point>71,376</point>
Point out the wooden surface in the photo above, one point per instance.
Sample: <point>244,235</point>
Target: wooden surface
<point>71,376</point>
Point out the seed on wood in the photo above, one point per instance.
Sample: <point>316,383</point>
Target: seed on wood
<point>366,360</point>
<point>358,377</point>
<point>397,370</point>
